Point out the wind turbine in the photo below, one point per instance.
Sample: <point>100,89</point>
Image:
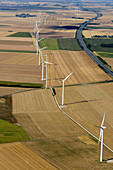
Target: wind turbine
<point>39,18</point>
<point>63,87</point>
<point>45,20</point>
<point>101,137</point>
<point>40,53</point>
<point>46,68</point>
<point>37,36</point>
<point>37,44</point>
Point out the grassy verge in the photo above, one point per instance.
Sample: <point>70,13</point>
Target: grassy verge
<point>20,34</point>
<point>11,133</point>
<point>106,54</point>
<point>18,51</point>
<point>19,84</point>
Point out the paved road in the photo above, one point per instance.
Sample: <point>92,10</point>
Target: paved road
<point>83,45</point>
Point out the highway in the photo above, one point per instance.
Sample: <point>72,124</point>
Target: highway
<point>83,45</point>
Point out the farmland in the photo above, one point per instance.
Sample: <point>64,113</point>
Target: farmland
<point>61,44</point>
<point>57,139</point>
<point>43,136</point>
<point>4,91</point>
<point>19,67</point>
<point>16,155</point>
<point>70,61</point>
<point>91,102</point>
<point>96,44</point>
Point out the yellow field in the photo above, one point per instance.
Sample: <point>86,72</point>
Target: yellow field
<point>19,67</point>
<point>87,104</point>
<point>83,68</point>
<point>93,32</point>
<point>37,113</point>
<point>10,90</point>
<point>57,139</point>
<point>109,61</point>
<point>18,58</point>
<point>17,156</point>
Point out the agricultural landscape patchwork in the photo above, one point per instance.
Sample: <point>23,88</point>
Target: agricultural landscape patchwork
<point>39,46</point>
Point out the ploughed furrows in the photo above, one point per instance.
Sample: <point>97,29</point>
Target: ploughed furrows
<point>19,67</point>
<point>37,112</point>
<point>10,90</point>
<point>83,68</point>
<point>16,156</point>
<point>87,104</point>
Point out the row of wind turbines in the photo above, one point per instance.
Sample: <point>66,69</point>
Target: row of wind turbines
<point>41,57</point>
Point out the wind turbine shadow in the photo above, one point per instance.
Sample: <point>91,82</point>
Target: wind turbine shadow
<point>83,101</point>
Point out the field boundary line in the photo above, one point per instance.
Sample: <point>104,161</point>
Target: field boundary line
<point>79,123</point>
<point>81,84</point>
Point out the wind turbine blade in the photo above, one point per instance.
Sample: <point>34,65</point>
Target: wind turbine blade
<point>43,48</point>
<point>40,39</point>
<point>67,76</point>
<point>39,31</point>
<point>103,119</point>
<point>47,62</point>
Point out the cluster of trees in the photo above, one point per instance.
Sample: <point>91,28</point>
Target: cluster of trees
<point>23,15</point>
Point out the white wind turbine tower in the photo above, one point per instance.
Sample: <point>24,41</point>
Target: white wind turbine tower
<point>46,62</point>
<point>101,137</point>
<point>40,54</point>
<point>45,22</point>
<point>37,44</point>
<point>63,87</point>
<point>37,36</point>
<point>39,18</point>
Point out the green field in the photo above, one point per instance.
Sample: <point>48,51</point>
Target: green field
<point>19,84</point>
<point>106,54</point>
<point>61,44</point>
<point>50,43</point>
<point>11,133</point>
<point>69,44</point>
<point>95,44</point>
<point>94,27</point>
<point>20,34</point>
<point>50,12</point>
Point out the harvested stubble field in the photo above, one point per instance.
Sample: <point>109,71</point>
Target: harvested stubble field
<point>11,90</point>
<point>37,112</point>
<point>109,61</point>
<point>87,104</point>
<point>17,156</point>
<point>83,68</point>
<point>56,138</point>
<point>19,67</point>
<point>17,39</point>
<point>92,32</point>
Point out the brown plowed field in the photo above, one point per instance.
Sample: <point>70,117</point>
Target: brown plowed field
<point>17,47</point>
<point>83,68</point>
<point>19,67</point>
<point>109,61</point>
<point>16,156</point>
<point>37,112</point>
<point>87,104</point>
<point>15,38</point>
<point>9,90</point>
